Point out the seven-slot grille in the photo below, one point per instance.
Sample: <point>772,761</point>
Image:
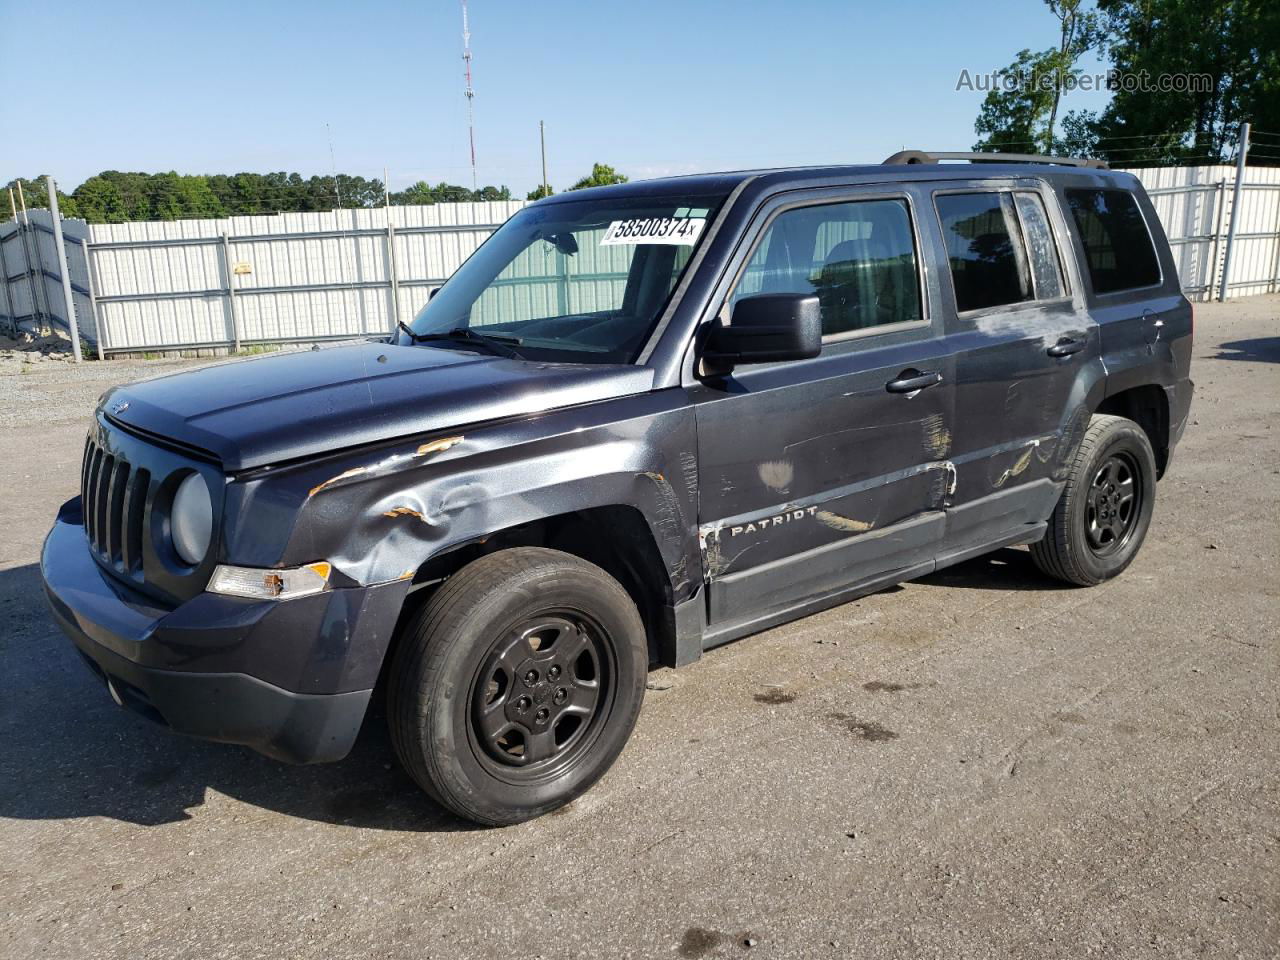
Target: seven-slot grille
<point>114,496</point>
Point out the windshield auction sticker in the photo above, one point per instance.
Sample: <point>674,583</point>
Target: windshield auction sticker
<point>672,230</point>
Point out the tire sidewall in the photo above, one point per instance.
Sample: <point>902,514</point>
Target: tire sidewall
<point>1122,438</point>
<point>460,771</point>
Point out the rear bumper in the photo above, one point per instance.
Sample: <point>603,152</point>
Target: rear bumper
<point>1179,396</point>
<point>290,679</point>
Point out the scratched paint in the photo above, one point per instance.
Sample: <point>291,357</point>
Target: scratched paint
<point>837,522</point>
<point>937,438</point>
<point>1019,466</point>
<point>776,475</point>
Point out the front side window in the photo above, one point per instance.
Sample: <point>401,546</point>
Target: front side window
<point>984,248</point>
<point>577,281</point>
<point>1117,245</point>
<point>859,258</point>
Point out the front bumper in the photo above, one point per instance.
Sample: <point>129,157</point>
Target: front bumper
<point>290,679</point>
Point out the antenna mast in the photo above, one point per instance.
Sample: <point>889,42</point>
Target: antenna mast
<point>469,93</point>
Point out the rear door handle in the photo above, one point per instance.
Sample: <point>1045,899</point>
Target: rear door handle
<point>1065,347</point>
<point>909,381</point>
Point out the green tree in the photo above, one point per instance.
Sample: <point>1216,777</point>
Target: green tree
<point>602,175</point>
<point>36,197</point>
<point>1015,112</point>
<point>540,191</point>
<point>1233,46</point>
<point>1079,31</point>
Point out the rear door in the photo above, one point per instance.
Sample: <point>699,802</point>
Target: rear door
<point>1134,296</point>
<point>816,475</point>
<point>1026,350</point>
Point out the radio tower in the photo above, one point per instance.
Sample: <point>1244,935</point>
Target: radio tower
<point>469,93</point>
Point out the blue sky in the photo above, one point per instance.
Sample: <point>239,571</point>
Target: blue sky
<point>652,87</point>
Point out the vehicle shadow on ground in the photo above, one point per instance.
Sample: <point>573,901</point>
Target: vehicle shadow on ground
<point>69,752</point>
<point>1258,350</point>
<point>1006,569</point>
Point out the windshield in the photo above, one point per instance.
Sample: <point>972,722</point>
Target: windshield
<point>580,281</point>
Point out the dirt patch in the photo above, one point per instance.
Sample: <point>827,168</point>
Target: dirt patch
<point>699,941</point>
<point>886,686</point>
<point>774,697</point>
<point>865,729</point>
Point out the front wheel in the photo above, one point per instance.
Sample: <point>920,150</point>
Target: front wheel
<point>1105,509</point>
<point>516,686</point>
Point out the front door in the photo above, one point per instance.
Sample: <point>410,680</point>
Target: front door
<point>816,476</point>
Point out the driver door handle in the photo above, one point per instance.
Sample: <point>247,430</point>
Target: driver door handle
<point>909,381</point>
<point>1065,347</point>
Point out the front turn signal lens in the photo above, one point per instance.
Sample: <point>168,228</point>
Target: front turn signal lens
<point>259,584</point>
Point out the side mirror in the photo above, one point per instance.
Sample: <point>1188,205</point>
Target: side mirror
<point>766,328</point>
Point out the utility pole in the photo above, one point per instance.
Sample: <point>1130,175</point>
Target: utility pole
<point>386,189</point>
<point>68,300</point>
<point>542,134</point>
<point>1236,196</point>
<point>469,93</point>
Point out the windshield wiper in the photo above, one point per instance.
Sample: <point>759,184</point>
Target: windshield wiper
<point>492,342</point>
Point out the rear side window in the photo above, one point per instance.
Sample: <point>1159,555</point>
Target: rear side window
<point>1046,268</point>
<point>1117,244</point>
<point>858,257</point>
<point>984,248</point>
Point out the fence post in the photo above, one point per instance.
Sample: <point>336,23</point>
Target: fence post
<point>64,271</point>
<point>1235,211</point>
<point>1219,206</point>
<point>99,320</point>
<point>393,275</point>
<point>231,290</point>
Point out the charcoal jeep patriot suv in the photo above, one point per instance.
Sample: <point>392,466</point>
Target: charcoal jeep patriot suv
<point>638,422</point>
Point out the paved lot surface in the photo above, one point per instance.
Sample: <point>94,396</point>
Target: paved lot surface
<point>976,765</point>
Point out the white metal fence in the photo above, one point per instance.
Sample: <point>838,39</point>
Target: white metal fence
<point>221,284</point>
<point>1194,206</point>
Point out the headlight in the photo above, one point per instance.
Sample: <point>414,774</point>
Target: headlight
<point>191,519</point>
<point>262,584</point>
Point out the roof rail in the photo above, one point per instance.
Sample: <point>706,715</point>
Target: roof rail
<point>921,156</point>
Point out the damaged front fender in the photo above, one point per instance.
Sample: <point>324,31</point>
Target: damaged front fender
<point>379,514</point>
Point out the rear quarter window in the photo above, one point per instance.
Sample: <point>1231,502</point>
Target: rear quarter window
<point>1117,244</point>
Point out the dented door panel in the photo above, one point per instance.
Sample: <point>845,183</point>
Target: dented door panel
<point>1020,413</point>
<point>797,457</point>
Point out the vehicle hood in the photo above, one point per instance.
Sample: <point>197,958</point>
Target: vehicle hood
<point>285,406</point>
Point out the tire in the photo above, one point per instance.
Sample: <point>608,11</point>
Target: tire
<point>491,702</point>
<point>1094,533</point>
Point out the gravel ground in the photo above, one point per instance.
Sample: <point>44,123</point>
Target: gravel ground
<point>979,764</point>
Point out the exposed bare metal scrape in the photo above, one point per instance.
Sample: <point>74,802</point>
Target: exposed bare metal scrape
<point>346,474</point>
<point>837,522</point>
<point>937,438</point>
<point>777,475</point>
<point>437,446</point>
<point>405,512</point>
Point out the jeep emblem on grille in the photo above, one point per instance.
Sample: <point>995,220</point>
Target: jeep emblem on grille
<point>120,407</point>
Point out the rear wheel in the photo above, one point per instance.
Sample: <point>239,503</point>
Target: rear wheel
<point>517,685</point>
<point>1102,517</point>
